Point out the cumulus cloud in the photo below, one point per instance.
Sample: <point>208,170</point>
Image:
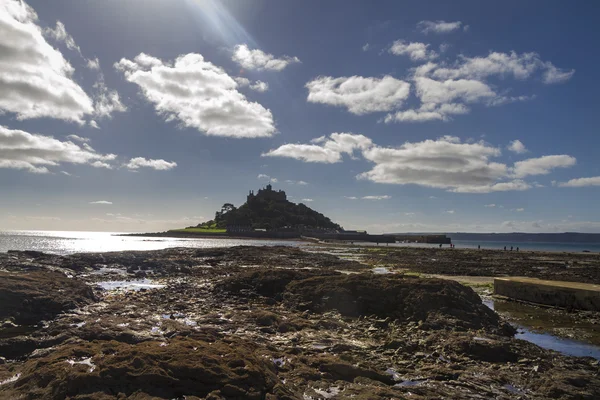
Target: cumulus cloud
<point>259,86</point>
<point>384,197</point>
<point>445,163</point>
<point>93,64</point>
<point>366,47</point>
<point>439,26</point>
<point>328,150</point>
<point>307,200</point>
<point>581,182</point>
<point>490,205</point>
<point>441,99</point>
<point>450,211</point>
<point>35,153</point>
<point>259,60</point>
<point>199,95</point>
<point>520,66</point>
<point>351,197</point>
<point>516,146</point>
<point>542,165</point>
<point>446,89</point>
<point>141,162</point>
<point>416,51</point>
<point>35,78</point>
<point>104,202</point>
<point>360,95</point>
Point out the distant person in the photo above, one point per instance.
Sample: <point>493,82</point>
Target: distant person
<point>478,247</point>
<point>517,249</point>
<point>504,248</point>
<point>511,248</point>
<point>440,245</point>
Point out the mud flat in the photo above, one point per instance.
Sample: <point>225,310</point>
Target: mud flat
<point>261,323</point>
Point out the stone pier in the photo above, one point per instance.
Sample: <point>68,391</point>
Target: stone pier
<point>583,296</point>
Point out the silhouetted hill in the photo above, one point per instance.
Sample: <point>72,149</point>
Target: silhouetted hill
<point>269,209</point>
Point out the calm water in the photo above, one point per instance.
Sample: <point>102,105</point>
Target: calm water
<point>527,246</point>
<point>81,242</point>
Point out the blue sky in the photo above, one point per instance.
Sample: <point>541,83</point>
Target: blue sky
<point>394,116</point>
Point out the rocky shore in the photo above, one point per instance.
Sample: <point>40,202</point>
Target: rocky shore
<point>267,323</point>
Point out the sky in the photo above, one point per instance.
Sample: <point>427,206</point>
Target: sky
<point>416,116</point>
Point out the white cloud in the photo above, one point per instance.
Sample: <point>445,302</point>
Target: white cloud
<point>439,26</point>
<point>141,162</point>
<point>360,95</point>
<point>65,173</point>
<point>366,47</point>
<point>291,182</point>
<point>444,163</point>
<point>307,200</point>
<point>328,151</point>
<point>351,197</point>
<point>519,209</point>
<point>35,79</point>
<point>409,214</point>
<point>94,124</point>
<point>441,99</point>
<point>78,138</point>
<point>59,33</point>
<point>555,75</point>
<point>490,205</point>
<point>259,60</point>
<point>199,95</point>
<point>516,146</point>
<point>449,89</point>
<point>450,211</point>
<point>104,202</point>
<point>259,86</point>
<point>415,50</point>
<point>384,197</point>
<point>267,178</point>
<point>106,101</point>
<point>35,153</point>
<point>101,164</point>
<point>93,64</point>
<point>581,182</point>
<point>520,66</point>
<point>242,81</point>
<point>542,165</point>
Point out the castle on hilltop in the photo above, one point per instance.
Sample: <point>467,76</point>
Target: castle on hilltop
<point>267,194</point>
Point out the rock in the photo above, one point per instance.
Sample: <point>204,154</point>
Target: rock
<point>28,298</point>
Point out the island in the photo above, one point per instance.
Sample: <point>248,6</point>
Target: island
<point>268,214</point>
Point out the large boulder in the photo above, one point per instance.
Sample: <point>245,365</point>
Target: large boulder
<point>28,298</point>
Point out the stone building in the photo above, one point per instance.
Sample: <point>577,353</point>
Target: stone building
<point>267,194</point>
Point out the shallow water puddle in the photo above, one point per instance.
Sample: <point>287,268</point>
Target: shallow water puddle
<point>10,380</point>
<point>548,341</point>
<point>382,271</point>
<point>85,361</point>
<point>134,285</point>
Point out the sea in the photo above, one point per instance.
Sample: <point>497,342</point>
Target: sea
<point>69,242</point>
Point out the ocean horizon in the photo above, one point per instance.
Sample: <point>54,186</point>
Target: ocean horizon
<point>69,242</point>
